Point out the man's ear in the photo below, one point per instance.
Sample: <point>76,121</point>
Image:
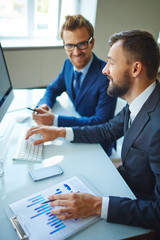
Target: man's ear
<point>93,41</point>
<point>136,68</point>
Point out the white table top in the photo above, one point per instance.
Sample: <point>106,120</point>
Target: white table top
<point>88,160</point>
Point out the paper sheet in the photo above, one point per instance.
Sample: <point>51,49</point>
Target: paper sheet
<point>37,218</point>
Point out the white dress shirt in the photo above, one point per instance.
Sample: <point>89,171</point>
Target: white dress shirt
<point>134,108</point>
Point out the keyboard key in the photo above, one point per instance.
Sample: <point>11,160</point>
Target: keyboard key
<point>26,151</point>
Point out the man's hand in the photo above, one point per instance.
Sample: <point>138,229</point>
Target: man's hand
<point>43,115</point>
<point>48,133</point>
<point>45,107</point>
<point>75,205</point>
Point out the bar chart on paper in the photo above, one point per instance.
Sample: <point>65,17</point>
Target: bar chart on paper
<point>38,220</point>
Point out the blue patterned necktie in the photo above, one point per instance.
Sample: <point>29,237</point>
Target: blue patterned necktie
<point>77,76</point>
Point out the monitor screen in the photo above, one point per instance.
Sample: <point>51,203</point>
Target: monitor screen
<point>6,91</point>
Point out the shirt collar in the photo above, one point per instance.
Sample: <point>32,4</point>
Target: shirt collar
<point>138,102</point>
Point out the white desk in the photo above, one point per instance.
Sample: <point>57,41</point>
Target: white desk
<point>88,160</point>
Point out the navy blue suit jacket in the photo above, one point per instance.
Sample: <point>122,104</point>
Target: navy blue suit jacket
<point>141,162</point>
<point>92,103</point>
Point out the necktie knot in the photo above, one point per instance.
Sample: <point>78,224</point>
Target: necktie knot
<point>77,76</point>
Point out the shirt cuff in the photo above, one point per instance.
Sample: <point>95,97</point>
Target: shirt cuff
<point>55,122</point>
<point>105,205</point>
<point>69,134</point>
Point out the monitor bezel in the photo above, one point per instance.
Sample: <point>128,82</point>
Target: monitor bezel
<point>8,96</point>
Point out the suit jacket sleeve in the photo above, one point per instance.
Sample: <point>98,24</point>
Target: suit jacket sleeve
<point>103,112</point>
<point>109,131</point>
<point>141,212</point>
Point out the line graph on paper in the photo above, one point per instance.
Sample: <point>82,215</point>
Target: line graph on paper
<point>38,220</point>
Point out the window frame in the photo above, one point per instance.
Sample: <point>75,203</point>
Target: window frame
<point>31,41</point>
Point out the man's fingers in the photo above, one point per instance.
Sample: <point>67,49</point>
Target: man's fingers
<point>45,107</point>
<point>39,141</point>
<point>64,196</point>
<point>39,110</point>
<point>64,213</point>
<point>59,196</point>
<point>59,211</point>
<point>31,131</point>
<point>64,216</point>
<point>64,203</point>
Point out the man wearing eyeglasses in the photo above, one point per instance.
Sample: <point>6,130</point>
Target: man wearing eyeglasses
<point>81,77</point>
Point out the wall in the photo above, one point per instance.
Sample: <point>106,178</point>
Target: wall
<point>120,15</point>
<point>35,68</point>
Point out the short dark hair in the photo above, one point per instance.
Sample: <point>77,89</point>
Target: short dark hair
<point>76,21</point>
<point>140,46</point>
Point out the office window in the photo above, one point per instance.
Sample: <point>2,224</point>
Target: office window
<point>13,18</point>
<point>35,22</point>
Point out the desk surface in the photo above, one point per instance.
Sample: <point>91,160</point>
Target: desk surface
<point>88,160</point>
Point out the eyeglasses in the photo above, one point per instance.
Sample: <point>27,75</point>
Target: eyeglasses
<point>80,46</point>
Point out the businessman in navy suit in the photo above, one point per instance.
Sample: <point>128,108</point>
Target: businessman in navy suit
<point>132,68</point>
<point>90,100</point>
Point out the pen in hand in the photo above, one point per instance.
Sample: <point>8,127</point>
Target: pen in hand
<point>54,200</point>
<point>31,109</point>
<point>47,201</point>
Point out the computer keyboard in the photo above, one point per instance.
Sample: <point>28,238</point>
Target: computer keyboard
<point>26,151</point>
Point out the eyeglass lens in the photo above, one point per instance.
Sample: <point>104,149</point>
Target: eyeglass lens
<point>80,46</point>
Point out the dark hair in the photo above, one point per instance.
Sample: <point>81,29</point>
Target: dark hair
<point>76,21</point>
<point>140,46</point>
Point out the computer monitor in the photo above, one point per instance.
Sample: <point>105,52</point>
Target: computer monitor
<point>6,90</point>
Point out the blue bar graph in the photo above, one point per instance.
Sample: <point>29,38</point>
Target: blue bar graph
<point>58,229</point>
<point>41,206</point>
<point>41,213</point>
<point>52,221</point>
<point>33,201</point>
<point>58,191</point>
<point>47,207</point>
<point>61,224</point>
<point>55,222</point>
<point>52,217</point>
<point>67,186</point>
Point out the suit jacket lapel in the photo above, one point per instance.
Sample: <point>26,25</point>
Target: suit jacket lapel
<point>69,82</point>
<point>135,129</point>
<point>140,121</point>
<point>89,79</point>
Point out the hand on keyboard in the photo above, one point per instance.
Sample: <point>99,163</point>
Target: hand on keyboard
<point>49,133</point>
<point>26,151</point>
<point>35,137</point>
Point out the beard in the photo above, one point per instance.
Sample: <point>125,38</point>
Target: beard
<point>115,90</point>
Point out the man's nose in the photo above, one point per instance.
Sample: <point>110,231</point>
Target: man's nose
<point>76,51</point>
<point>105,70</point>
